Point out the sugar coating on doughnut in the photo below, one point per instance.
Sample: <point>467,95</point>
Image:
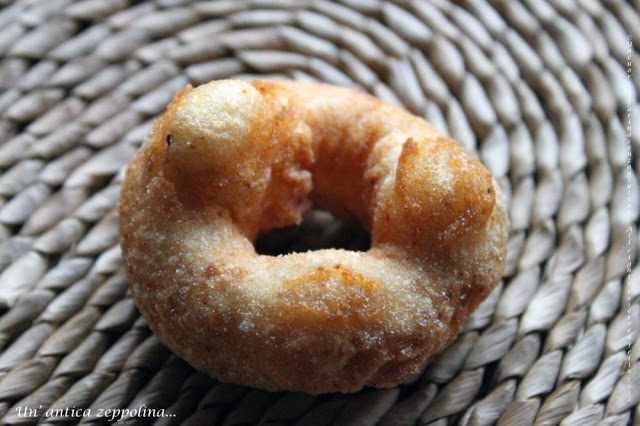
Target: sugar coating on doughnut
<point>320,321</point>
<point>451,193</point>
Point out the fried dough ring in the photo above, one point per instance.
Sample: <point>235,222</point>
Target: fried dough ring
<point>231,159</point>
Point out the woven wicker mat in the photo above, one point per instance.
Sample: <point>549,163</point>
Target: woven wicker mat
<point>544,92</point>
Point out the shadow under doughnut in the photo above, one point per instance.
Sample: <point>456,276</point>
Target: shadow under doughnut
<point>318,230</point>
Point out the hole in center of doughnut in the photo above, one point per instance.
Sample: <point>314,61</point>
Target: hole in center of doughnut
<point>318,230</point>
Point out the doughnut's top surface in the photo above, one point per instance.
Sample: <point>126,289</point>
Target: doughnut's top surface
<point>231,159</point>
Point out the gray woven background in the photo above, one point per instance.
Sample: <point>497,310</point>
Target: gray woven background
<point>544,92</point>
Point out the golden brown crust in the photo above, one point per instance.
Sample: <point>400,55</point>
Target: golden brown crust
<point>231,159</point>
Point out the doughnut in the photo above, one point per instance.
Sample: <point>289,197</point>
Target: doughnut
<point>232,159</point>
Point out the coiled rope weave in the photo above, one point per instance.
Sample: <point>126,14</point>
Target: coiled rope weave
<point>544,92</point>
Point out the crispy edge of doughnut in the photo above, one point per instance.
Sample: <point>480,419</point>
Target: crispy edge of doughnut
<point>451,192</point>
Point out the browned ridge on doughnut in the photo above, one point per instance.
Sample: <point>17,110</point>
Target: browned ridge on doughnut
<point>231,159</point>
